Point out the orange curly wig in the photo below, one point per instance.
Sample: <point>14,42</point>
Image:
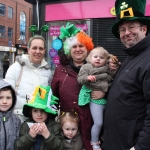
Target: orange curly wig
<point>84,39</point>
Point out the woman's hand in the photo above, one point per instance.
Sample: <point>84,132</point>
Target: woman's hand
<point>91,78</point>
<point>97,95</point>
<point>43,130</point>
<point>113,62</point>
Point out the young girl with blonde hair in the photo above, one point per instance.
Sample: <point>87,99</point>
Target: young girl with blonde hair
<point>95,76</point>
<point>69,122</point>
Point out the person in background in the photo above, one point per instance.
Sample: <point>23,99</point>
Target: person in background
<point>95,75</point>
<point>32,69</point>
<point>40,131</point>
<point>9,122</point>
<point>69,122</point>
<point>5,63</point>
<point>127,115</point>
<point>64,84</point>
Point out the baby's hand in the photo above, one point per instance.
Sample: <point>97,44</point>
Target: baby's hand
<point>34,129</point>
<point>43,130</point>
<point>91,78</point>
<point>113,62</point>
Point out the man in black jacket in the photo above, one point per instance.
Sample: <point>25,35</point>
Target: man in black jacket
<point>127,116</point>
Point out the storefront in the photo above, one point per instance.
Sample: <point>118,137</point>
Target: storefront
<point>97,15</point>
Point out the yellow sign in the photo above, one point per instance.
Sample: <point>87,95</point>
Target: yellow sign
<point>112,11</point>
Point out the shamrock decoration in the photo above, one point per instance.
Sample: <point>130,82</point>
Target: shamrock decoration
<point>124,6</point>
<point>44,28</point>
<point>33,28</point>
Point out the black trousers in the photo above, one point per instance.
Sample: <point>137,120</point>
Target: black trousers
<point>5,68</point>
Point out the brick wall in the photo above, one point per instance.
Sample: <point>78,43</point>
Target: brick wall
<point>18,7</point>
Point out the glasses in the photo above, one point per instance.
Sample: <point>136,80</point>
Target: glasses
<point>131,28</point>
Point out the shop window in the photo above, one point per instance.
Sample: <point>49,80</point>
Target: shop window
<point>53,34</point>
<point>10,12</point>
<point>2,31</point>
<point>102,36</point>
<point>22,26</point>
<point>10,33</point>
<point>2,9</point>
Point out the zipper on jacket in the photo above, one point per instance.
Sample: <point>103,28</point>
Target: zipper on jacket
<point>4,119</point>
<point>64,80</point>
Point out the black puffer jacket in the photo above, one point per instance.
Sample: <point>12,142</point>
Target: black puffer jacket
<point>127,118</point>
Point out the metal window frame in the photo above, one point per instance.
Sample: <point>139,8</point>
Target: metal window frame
<point>2,9</point>
<point>2,31</point>
<point>10,33</point>
<point>22,26</point>
<point>10,12</point>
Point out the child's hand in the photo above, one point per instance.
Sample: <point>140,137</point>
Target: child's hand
<point>112,65</point>
<point>113,62</point>
<point>43,130</point>
<point>91,78</point>
<point>34,129</point>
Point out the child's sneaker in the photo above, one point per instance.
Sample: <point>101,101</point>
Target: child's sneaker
<point>96,145</point>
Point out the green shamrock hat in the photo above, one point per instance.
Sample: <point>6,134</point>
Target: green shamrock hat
<point>42,98</point>
<point>68,31</point>
<point>129,10</point>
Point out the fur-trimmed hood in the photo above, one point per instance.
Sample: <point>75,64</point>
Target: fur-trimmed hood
<point>24,60</point>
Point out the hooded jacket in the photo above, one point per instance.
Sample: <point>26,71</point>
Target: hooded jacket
<point>9,123</point>
<point>31,77</point>
<point>53,142</point>
<point>74,144</point>
<point>103,77</point>
<point>127,117</point>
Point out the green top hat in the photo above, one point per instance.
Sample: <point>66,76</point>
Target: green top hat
<point>42,98</point>
<point>130,10</point>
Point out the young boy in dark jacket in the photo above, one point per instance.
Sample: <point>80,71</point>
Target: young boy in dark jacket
<point>9,122</point>
<point>40,131</point>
